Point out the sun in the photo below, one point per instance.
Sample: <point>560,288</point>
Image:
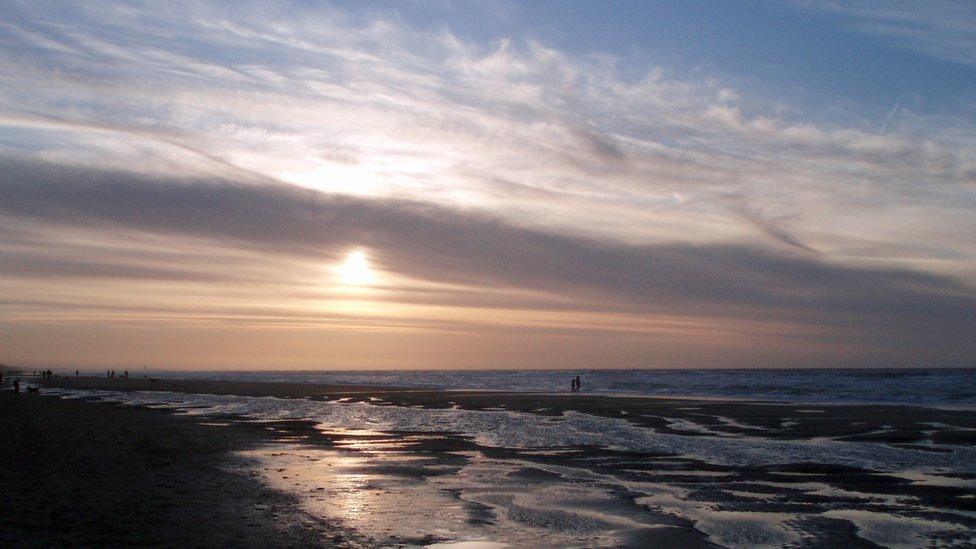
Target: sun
<point>355,270</point>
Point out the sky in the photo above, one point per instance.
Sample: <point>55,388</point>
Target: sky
<point>432,184</point>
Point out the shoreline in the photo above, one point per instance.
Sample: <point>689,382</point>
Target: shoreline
<point>883,423</point>
<point>887,387</point>
<point>65,380</point>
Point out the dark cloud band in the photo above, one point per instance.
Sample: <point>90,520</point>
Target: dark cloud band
<point>448,245</point>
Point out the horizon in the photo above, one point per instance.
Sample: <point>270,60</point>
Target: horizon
<point>138,369</point>
<point>362,186</point>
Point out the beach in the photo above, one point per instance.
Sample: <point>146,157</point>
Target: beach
<point>389,466</point>
<point>79,473</point>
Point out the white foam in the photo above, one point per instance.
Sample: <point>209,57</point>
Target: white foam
<point>733,423</point>
<point>526,430</point>
<point>692,427</point>
<point>896,531</point>
<point>474,544</point>
<point>932,479</point>
<point>733,529</point>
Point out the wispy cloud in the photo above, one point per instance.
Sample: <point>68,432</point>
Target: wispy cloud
<point>770,228</point>
<point>941,29</point>
<point>884,126</point>
<point>371,107</point>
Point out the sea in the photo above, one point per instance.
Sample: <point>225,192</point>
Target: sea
<point>917,386</point>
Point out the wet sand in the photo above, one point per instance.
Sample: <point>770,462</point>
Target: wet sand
<point>78,473</point>
<point>417,488</point>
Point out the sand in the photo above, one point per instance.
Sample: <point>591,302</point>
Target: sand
<point>85,474</point>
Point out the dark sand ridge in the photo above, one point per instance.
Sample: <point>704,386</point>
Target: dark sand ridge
<point>912,428</point>
<point>85,474</point>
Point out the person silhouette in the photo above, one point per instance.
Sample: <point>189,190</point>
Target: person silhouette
<point>579,382</point>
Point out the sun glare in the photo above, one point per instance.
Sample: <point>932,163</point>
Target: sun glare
<point>355,270</point>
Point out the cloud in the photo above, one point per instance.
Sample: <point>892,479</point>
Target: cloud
<point>770,228</point>
<point>365,105</point>
<point>940,29</point>
<point>489,259</point>
<point>202,164</point>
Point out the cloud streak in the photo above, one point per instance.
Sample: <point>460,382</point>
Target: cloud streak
<point>468,250</point>
<point>941,29</point>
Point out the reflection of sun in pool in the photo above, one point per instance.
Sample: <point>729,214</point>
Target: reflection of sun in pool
<point>355,270</point>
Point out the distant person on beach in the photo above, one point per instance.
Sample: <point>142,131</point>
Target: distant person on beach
<point>76,373</point>
<point>126,374</point>
<point>16,385</point>
<point>579,382</point>
<point>572,383</point>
